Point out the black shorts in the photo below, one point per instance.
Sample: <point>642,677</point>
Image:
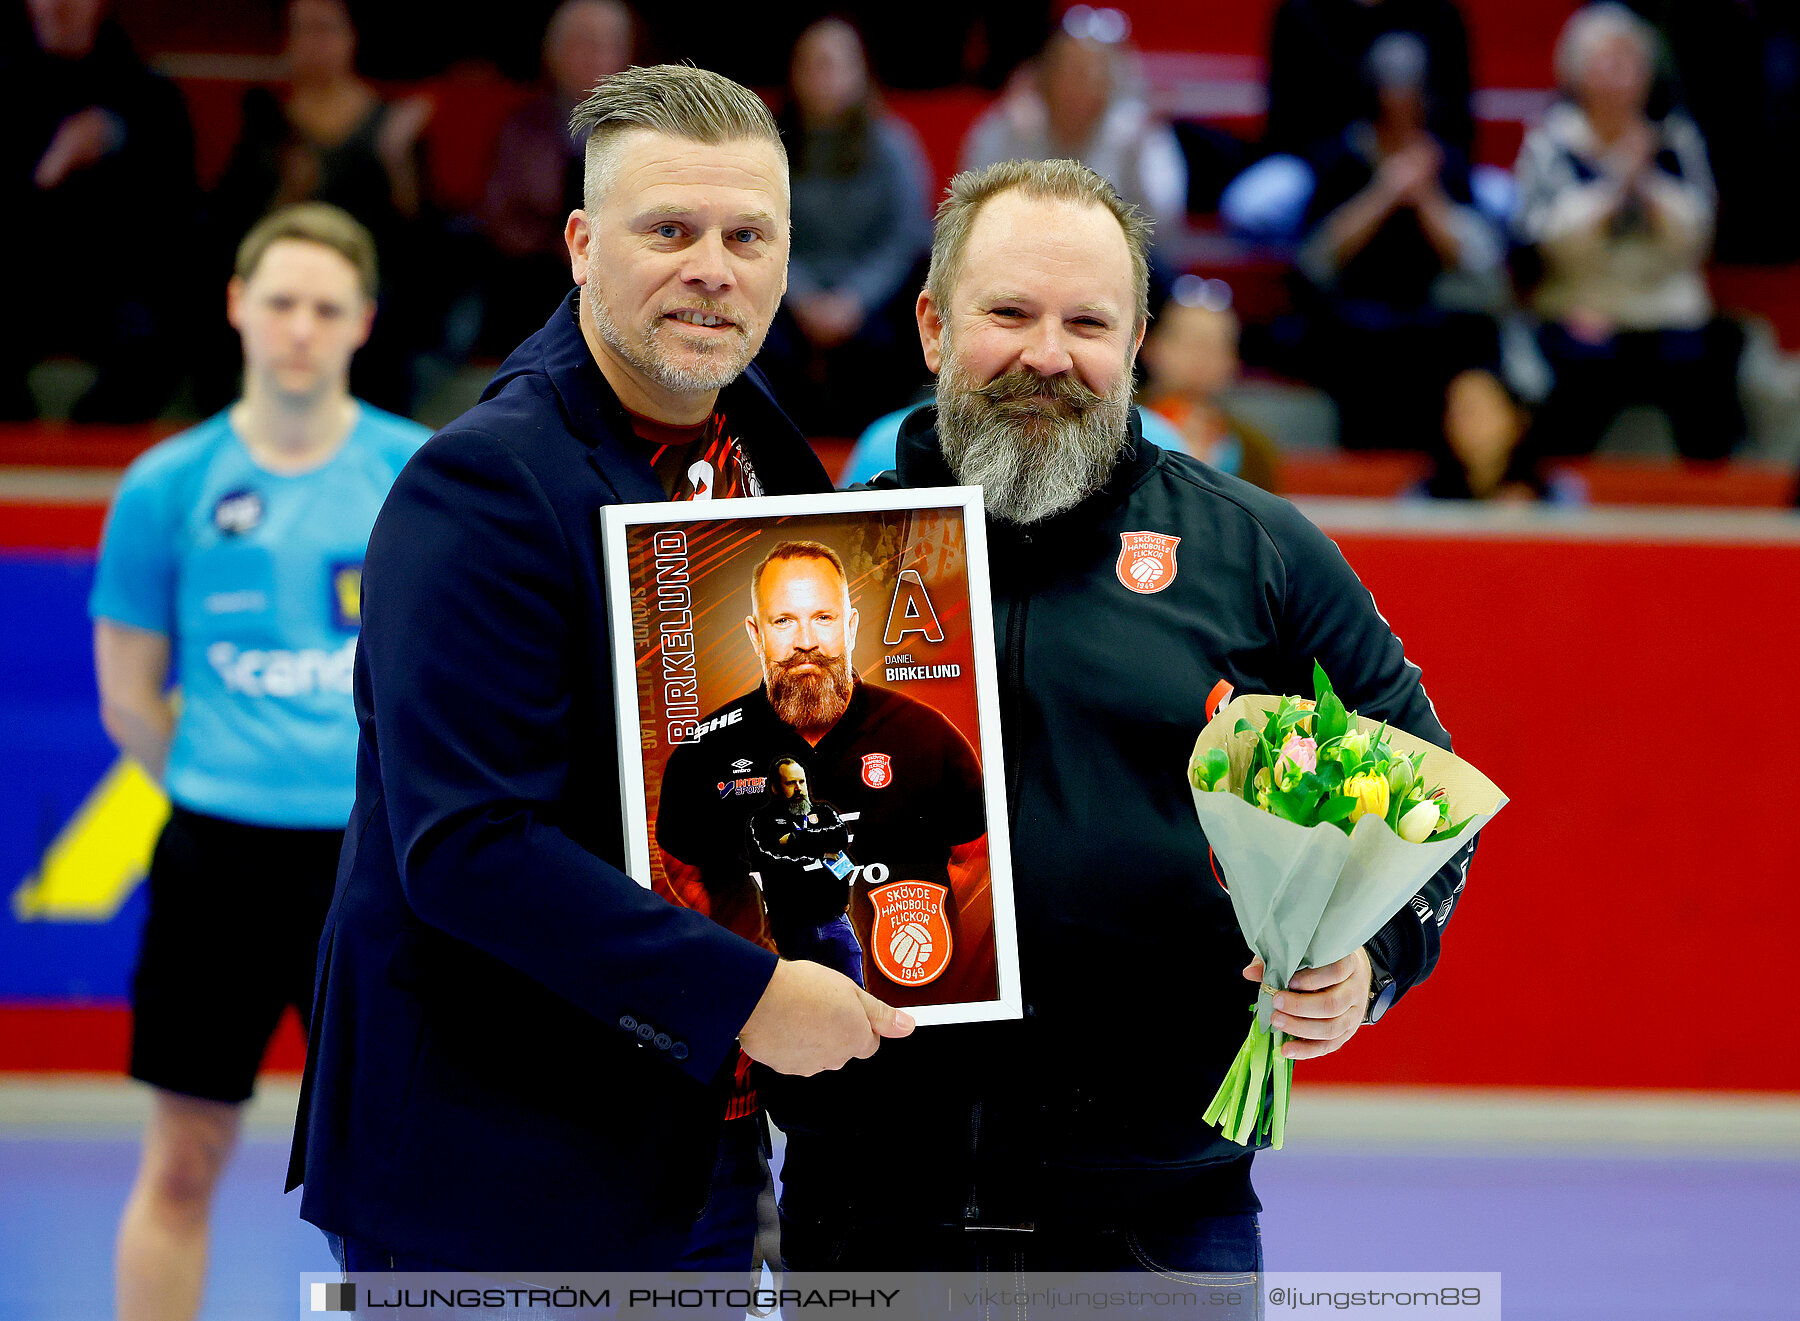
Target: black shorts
<point>232,939</point>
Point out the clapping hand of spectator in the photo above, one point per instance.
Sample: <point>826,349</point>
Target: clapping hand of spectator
<point>1410,175</point>
<point>83,139</point>
<point>1634,152</point>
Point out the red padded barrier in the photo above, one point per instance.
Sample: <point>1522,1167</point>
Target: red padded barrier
<point>1634,903</point>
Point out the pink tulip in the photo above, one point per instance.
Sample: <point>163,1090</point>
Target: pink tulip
<point>1297,756</point>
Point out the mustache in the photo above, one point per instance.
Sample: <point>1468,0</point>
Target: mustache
<point>806,656</point>
<point>1026,386</point>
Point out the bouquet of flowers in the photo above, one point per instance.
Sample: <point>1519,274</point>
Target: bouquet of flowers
<point>1325,824</point>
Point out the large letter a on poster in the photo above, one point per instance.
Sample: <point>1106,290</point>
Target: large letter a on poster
<point>911,611</point>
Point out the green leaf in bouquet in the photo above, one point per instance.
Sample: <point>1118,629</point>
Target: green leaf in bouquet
<point>1451,832</point>
<point>1212,771</point>
<point>1280,723</point>
<point>1335,809</point>
<point>1378,745</point>
<point>1332,775</point>
<point>1287,805</point>
<point>1333,719</point>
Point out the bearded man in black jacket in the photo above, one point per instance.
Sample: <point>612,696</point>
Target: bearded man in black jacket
<point>1132,588</point>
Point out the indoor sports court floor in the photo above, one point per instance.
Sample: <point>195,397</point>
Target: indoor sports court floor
<point>1592,1206</point>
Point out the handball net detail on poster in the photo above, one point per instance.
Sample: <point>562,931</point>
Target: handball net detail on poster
<point>810,735</point>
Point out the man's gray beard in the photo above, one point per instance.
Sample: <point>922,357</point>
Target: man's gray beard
<point>810,701</point>
<point>1030,463</point>
<point>719,370</point>
<point>799,808</point>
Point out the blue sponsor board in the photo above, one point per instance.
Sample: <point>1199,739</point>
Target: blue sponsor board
<point>52,754</point>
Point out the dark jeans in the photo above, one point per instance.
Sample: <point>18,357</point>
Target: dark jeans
<point>834,945</point>
<point>1207,1253</point>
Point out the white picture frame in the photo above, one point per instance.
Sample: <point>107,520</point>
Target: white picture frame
<point>918,559</point>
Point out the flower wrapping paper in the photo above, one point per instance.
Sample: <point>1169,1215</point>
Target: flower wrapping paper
<point>1306,896</point>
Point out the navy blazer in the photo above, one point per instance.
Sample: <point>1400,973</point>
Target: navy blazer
<point>519,1057</point>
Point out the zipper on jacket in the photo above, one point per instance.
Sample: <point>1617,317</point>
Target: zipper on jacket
<point>1013,707</point>
<point>972,1208</point>
<point>1013,670</point>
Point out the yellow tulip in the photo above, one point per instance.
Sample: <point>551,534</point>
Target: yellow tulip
<point>1370,793</point>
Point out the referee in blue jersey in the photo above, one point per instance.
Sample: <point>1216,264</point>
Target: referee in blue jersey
<point>232,565</point>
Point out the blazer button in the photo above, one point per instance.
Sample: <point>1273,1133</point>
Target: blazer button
<point>628,1023</point>
<point>678,1050</point>
<point>663,1041</point>
<point>645,1032</point>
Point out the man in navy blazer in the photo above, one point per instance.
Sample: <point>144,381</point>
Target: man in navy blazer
<point>521,1059</point>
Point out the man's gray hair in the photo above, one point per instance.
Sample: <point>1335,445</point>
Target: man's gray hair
<point>1588,27</point>
<point>676,99</point>
<point>1063,181</point>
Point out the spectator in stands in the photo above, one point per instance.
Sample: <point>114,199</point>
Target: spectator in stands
<point>536,179</point>
<point>1485,452</point>
<point>1739,71</point>
<point>844,348</point>
<point>1192,356</point>
<point>329,136</point>
<point>1074,102</point>
<point>90,131</point>
<point>1618,209</point>
<point>1392,221</point>
<point>1317,53</point>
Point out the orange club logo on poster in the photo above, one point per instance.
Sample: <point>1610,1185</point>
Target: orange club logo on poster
<point>909,935</point>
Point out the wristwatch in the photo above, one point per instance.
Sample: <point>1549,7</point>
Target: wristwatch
<point>1382,989</point>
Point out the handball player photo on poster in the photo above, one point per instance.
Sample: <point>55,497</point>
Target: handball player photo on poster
<point>810,734</point>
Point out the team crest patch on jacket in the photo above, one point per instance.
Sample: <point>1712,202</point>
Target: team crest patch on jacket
<point>910,933</point>
<point>878,770</point>
<point>1147,560</point>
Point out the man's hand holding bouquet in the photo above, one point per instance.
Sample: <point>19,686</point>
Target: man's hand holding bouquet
<point>1324,824</point>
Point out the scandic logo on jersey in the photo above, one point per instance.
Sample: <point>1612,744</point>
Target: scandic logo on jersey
<point>910,933</point>
<point>1147,561</point>
<point>878,770</point>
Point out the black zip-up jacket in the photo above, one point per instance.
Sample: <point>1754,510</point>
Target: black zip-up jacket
<point>1090,1107</point>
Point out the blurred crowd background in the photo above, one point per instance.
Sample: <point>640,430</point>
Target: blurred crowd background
<point>1495,237</point>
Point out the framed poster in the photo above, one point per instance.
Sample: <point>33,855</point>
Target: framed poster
<point>809,730</point>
